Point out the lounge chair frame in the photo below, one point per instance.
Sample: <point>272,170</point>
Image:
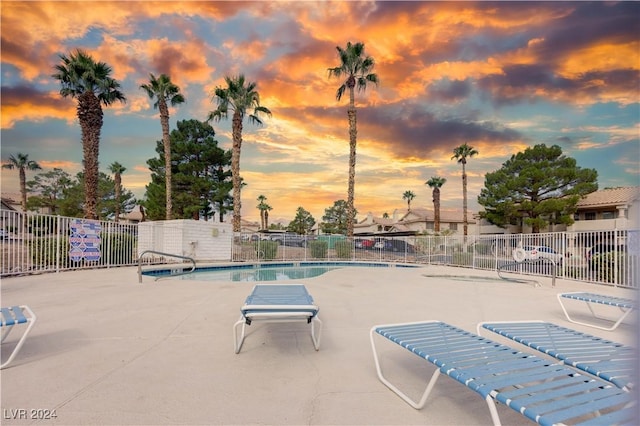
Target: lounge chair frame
<point>278,303</point>
<point>541,390</point>
<point>626,306</point>
<point>9,318</point>
<point>611,361</point>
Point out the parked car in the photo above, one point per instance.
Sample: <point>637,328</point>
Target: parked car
<point>289,239</point>
<point>600,249</point>
<point>394,245</point>
<point>603,248</point>
<point>364,243</point>
<point>542,252</point>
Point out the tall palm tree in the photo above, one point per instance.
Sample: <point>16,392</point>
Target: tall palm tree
<point>240,97</point>
<point>264,211</point>
<point>461,153</point>
<point>436,183</point>
<point>165,92</point>
<point>409,196</point>
<point>91,84</point>
<point>21,162</point>
<point>117,169</point>
<point>356,67</point>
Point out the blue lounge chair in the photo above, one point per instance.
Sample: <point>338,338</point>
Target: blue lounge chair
<point>626,306</point>
<point>9,318</point>
<point>611,361</point>
<point>278,303</point>
<point>543,391</point>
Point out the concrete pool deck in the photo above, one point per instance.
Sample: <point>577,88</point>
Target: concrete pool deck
<point>107,350</point>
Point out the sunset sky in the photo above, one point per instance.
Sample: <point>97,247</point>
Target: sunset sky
<point>499,76</point>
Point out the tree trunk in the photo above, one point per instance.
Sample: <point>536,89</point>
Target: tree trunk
<point>166,141</point>
<point>436,209</point>
<point>235,170</point>
<point>23,188</point>
<point>351,113</point>
<point>118,189</point>
<point>464,199</point>
<point>90,117</point>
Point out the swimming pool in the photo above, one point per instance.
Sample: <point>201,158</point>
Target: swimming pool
<point>265,272</point>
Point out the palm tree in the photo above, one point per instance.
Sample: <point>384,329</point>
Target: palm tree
<point>22,163</point>
<point>409,196</point>
<point>90,82</point>
<point>240,97</point>
<point>164,91</point>
<point>461,153</point>
<point>436,183</point>
<point>117,169</point>
<point>264,211</point>
<point>356,67</point>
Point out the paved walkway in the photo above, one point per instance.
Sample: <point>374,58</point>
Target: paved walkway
<point>107,350</point>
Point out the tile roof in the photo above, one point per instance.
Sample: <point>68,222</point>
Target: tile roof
<point>12,197</point>
<point>611,197</point>
<point>446,216</point>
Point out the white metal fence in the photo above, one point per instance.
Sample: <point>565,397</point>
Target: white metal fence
<point>610,257</point>
<point>34,243</point>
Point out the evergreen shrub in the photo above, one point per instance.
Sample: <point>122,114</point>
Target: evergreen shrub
<point>343,249</point>
<point>319,249</point>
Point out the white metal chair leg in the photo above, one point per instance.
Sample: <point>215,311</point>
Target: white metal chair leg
<point>316,339</point>
<point>31,320</point>
<point>237,342</point>
<point>417,405</point>
<point>613,327</point>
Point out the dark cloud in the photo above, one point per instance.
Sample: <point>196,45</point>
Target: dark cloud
<point>172,60</point>
<point>565,140</point>
<point>450,91</point>
<point>409,130</point>
<point>418,132</point>
<point>535,82</point>
<point>25,94</point>
<point>590,24</point>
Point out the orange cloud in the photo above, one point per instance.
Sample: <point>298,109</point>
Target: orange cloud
<point>18,105</point>
<point>60,164</point>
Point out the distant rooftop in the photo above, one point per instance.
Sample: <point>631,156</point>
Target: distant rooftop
<point>611,196</point>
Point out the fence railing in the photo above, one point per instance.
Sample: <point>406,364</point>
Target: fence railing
<point>598,257</point>
<point>34,243</point>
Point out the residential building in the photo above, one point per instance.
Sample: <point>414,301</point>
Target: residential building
<point>605,210</point>
<point>415,221</point>
<point>608,209</point>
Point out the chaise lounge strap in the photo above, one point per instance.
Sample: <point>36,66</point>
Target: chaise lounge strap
<point>625,305</point>
<point>282,303</point>
<point>608,360</point>
<point>543,391</point>
<point>12,316</point>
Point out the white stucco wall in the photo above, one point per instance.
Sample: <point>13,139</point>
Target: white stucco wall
<point>203,241</point>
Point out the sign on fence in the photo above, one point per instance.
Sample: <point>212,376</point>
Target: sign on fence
<point>84,240</point>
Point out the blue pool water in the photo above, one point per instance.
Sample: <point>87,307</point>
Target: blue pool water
<point>264,272</point>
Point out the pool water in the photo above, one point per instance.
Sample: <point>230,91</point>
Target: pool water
<point>260,274</point>
<point>263,272</point>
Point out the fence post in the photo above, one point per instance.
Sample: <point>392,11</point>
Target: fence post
<point>58,231</point>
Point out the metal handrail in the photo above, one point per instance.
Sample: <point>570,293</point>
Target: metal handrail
<point>193,267</point>
<point>531,261</point>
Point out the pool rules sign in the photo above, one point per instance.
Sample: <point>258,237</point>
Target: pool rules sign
<point>84,240</point>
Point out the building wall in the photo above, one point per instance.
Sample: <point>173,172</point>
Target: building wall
<point>203,241</point>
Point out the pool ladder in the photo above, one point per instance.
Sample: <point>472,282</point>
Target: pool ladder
<point>174,272</point>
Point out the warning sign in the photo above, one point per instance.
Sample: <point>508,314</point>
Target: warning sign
<point>84,240</point>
